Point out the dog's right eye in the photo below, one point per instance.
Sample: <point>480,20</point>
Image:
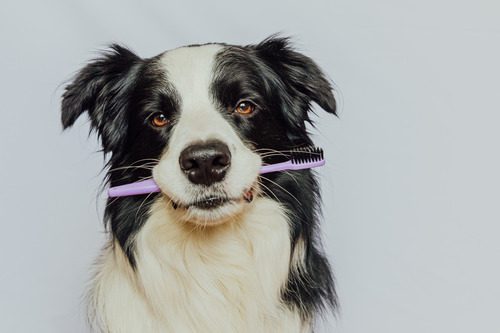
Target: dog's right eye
<point>159,119</point>
<point>245,107</point>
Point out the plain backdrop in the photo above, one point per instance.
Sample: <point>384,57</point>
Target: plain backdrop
<point>411,189</point>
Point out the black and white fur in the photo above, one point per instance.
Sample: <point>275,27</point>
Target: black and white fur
<point>238,267</point>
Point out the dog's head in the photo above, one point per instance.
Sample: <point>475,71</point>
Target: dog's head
<point>200,119</point>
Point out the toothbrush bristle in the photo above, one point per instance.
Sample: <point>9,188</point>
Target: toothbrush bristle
<point>306,155</point>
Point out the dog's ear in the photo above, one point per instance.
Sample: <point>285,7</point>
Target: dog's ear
<point>101,88</point>
<point>302,78</point>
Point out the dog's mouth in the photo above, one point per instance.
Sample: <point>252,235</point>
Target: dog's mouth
<point>214,201</point>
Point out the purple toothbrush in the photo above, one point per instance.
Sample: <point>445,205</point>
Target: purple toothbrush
<point>301,158</point>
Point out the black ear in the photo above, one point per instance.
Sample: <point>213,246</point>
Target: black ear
<point>101,88</point>
<point>302,78</point>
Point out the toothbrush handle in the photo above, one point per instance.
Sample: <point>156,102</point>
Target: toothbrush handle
<point>149,186</point>
<point>288,165</point>
<point>276,167</point>
<point>143,187</point>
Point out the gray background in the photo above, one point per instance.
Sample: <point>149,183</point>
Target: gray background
<point>412,183</point>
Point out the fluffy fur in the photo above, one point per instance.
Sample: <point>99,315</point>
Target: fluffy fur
<point>238,267</point>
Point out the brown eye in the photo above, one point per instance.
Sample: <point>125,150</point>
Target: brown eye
<point>159,120</point>
<point>245,107</point>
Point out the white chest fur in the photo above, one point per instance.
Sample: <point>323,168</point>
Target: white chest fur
<point>226,278</point>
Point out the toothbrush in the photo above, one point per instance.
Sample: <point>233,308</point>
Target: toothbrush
<point>300,158</point>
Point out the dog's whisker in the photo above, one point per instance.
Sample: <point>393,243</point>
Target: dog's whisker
<point>156,160</point>
<point>266,149</point>
<point>294,178</point>
<point>112,201</point>
<point>131,167</point>
<point>142,203</point>
<point>273,155</point>
<point>270,191</point>
<point>284,153</point>
<point>128,178</point>
<point>285,190</point>
<point>145,178</point>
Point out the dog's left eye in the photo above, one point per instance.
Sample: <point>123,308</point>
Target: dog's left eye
<point>159,120</point>
<point>245,107</point>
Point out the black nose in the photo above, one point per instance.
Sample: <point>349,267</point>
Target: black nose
<point>206,162</point>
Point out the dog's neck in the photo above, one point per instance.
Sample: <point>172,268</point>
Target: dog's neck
<point>224,278</point>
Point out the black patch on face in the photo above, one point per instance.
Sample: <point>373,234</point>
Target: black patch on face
<point>283,84</point>
<point>120,92</point>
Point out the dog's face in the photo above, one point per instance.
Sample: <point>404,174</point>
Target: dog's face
<point>200,119</point>
<point>208,167</point>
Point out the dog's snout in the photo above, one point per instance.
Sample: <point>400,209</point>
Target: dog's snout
<point>205,163</point>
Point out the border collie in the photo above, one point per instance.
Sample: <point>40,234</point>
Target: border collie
<point>220,248</point>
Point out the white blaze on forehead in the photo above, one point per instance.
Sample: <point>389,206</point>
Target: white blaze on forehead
<point>190,71</point>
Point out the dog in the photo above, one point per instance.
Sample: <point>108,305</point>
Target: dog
<point>220,248</point>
